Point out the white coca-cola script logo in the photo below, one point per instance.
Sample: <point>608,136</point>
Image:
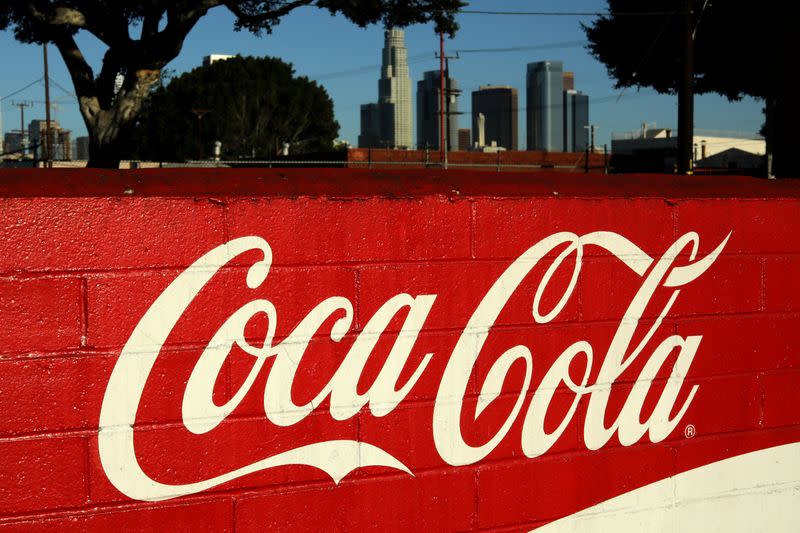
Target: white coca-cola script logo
<point>339,457</point>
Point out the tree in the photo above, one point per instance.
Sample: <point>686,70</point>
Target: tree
<point>741,49</point>
<point>162,27</point>
<point>251,105</point>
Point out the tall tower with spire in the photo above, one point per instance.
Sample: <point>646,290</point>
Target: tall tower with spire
<point>394,92</point>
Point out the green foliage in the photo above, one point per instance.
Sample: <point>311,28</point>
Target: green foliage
<point>254,105</point>
<point>733,42</point>
<point>109,20</point>
<point>741,49</point>
<point>143,37</point>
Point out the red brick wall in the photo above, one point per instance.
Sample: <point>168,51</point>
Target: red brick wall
<point>84,255</point>
<point>509,161</point>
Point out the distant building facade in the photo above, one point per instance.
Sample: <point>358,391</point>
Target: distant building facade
<point>370,126</point>
<point>429,112</point>
<point>82,148</point>
<point>557,115</point>
<point>464,139</point>
<point>544,102</point>
<point>576,121</point>
<point>711,149</point>
<point>394,119</point>
<point>499,106</point>
<point>213,58</point>
<point>569,81</point>
<point>13,143</point>
<point>60,138</point>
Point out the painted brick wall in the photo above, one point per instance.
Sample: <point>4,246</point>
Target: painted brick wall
<point>508,161</point>
<point>85,254</point>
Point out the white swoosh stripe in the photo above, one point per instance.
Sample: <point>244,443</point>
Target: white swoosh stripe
<point>758,491</point>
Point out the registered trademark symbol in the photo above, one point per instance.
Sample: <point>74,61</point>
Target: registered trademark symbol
<point>690,431</point>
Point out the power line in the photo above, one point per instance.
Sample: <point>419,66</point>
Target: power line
<point>645,59</point>
<point>567,13</point>
<point>55,102</point>
<point>368,69</point>
<point>523,48</point>
<point>612,98</point>
<point>31,84</point>
<point>418,58</point>
<point>70,93</point>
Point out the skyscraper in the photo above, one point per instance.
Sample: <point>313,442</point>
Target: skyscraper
<point>545,122</point>
<point>370,126</point>
<point>569,81</point>
<point>428,112</point>
<point>387,123</point>
<point>394,92</point>
<point>464,139</point>
<point>576,121</point>
<point>499,106</point>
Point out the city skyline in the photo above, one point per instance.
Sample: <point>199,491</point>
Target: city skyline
<point>348,64</point>
<point>557,115</point>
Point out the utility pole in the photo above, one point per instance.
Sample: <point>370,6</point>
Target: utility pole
<point>200,113</point>
<point>445,92</point>
<point>442,147</point>
<point>686,94</point>
<point>48,140</point>
<point>592,130</point>
<point>22,106</point>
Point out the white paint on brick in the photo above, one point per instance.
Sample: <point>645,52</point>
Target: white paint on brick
<point>758,491</point>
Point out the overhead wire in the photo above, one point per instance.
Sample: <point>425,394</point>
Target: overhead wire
<point>564,13</point>
<point>28,86</point>
<point>418,58</point>
<point>523,48</point>
<point>67,91</point>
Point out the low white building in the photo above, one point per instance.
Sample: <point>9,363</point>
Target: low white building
<point>711,148</point>
<point>213,58</point>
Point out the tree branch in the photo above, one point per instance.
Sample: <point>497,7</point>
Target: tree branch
<point>189,12</point>
<point>112,65</point>
<point>58,16</point>
<point>67,16</point>
<point>80,71</point>
<point>152,18</point>
<point>105,26</point>
<point>255,20</point>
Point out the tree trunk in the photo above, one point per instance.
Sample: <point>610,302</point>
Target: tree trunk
<point>782,128</point>
<point>109,127</point>
<point>784,113</point>
<point>106,146</point>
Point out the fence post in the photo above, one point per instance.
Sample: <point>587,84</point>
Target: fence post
<point>586,162</point>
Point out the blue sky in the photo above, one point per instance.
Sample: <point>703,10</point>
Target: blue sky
<point>327,48</point>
